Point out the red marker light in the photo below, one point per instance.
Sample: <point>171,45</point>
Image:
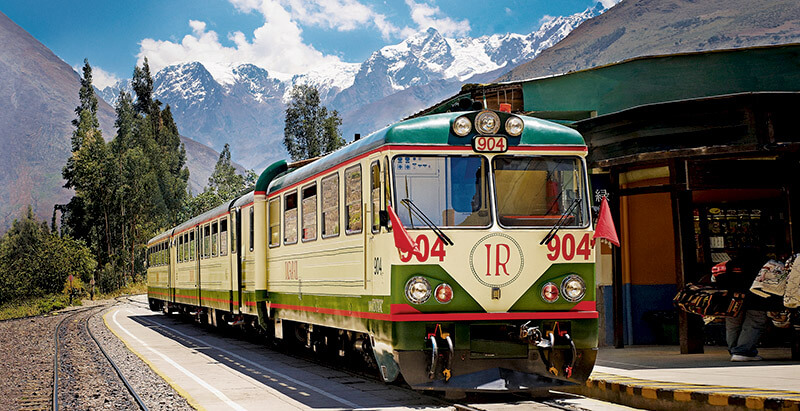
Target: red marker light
<point>443,293</point>
<point>550,292</point>
<point>505,107</point>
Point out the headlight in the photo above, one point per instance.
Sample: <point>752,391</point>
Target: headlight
<point>550,292</point>
<point>462,126</point>
<point>573,288</point>
<point>443,293</point>
<point>487,122</point>
<point>418,290</point>
<point>514,126</point>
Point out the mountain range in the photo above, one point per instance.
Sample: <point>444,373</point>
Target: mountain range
<point>245,106</point>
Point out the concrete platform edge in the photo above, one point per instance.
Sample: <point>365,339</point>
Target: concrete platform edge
<point>662,396</point>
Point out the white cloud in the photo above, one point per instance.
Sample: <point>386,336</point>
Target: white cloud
<point>425,15</point>
<point>100,78</point>
<point>609,3</point>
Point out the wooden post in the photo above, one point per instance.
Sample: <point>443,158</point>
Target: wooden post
<point>690,327</point>
<point>616,263</point>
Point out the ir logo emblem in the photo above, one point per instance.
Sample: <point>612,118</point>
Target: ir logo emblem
<point>496,260</point>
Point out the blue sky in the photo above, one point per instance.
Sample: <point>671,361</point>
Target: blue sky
<point>284,36</point>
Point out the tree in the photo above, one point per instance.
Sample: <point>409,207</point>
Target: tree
<point>309,130</point>
<point>224,184</point>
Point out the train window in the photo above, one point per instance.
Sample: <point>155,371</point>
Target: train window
<point>275,222</point>
<point>375,195</point>
<point>252,228</point>
<point>352,199</point>
<point>309,208</point>
<point>192,247</point>
<point>214,238</point>
<point>180,249</point>
<point>223,236</point>
<point>207,241</point>
<point>234,245</point>
<point>330,206</point>
<point>290,218</point>
<point>186,252</point>
<point>450,190</point>
<point>387,187</point>
<point>552,185</point>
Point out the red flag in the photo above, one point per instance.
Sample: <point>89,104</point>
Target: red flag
<point>605,225</point>
<point>402,240</point>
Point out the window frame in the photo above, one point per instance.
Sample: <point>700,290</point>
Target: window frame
<point>302,214</point>
<point>223,236</point>
<point>252,223</point>
<point>373,213</point>
<point>347,230</point>
<point>297,217</point>
<point>338,208</point>
<point>279,217</point>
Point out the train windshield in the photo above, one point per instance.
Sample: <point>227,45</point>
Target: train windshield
<point>452,191</point>
<point>535,191</point>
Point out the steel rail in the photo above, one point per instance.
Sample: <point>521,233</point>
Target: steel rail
<point>114,365</point>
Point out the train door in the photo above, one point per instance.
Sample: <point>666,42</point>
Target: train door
<point>197,245</point>
<point>372,259</point>
<point>171,269</point>
<point>236,268</point>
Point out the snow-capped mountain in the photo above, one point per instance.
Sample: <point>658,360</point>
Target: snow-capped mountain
<point>245,106</point>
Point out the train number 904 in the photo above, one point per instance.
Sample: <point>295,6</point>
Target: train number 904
<point>567,247</point>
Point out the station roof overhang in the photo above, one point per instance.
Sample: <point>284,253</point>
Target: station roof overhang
<point>756,123</point>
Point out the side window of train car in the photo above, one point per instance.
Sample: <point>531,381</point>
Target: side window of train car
<point>275,222</point>
<point>352,199</point>
<point>233,233</point>
<point>180,249</point>
<point>330,206</point>
<point>290,218</point>
<point>192,245</point>
<point>207,241</point>
<point>375,195</point>
<point>309,209</point>
<point>214,238</point>
<point>387,186</point>
<point>187,253</point>
<point>252,228</point>
<point>223,236</point>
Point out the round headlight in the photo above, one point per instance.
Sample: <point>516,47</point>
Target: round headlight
<point>462,126</point>
<point>514,126</point>
<point>573,288</point>
<point>418,290</point>
<point>487,122</point>
<point>443,293</point>
<point>550,292</point>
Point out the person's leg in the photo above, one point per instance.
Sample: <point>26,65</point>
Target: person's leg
<point>733,327</point>
<point>755,322</point>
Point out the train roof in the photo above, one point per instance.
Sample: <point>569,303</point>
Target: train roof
<point>427,130</point>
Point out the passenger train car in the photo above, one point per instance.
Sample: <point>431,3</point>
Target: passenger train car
<point>495,291</point>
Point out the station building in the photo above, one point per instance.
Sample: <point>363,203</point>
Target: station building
<point>698,153</point>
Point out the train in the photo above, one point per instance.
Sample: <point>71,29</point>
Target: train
<point>452,251</point>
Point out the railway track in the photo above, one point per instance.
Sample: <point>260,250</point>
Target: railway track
<point>83,376</point>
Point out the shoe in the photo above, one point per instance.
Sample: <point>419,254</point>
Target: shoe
<point>743,358</point>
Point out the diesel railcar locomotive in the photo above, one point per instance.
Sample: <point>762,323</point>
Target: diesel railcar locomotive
<point>453,250</point>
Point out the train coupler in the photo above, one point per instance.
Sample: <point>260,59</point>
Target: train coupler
<point>546,346</point>
<point>441,349</point>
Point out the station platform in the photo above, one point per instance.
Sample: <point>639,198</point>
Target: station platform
<point>661,378</point>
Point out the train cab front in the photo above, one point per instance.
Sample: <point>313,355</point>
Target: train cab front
<point>499,294</point>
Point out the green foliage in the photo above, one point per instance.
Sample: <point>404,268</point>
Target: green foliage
<point>224,184</point>
<point>309,130</point>
<point>35,262</point>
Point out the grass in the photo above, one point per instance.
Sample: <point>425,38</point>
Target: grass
<point>50,303</point>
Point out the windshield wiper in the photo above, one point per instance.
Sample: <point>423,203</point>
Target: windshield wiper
<point>560,222</point>
<point>438,231</point>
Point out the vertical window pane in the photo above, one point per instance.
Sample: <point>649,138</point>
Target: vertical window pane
<point>192,247</point>
<point>252,228</point>
<point>352,198</point>
<point>310,212</point>
<point>234,245</point>
<point>214,238</point>
<point>206,241</point>
<point>375,195</point>
<point>274,222</point>
<point>223,236</point>
<point>290,219</point>
<point>330,206</point>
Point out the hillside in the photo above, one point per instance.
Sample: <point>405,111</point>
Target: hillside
<point>636,28</point>
<point>39,95</point>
